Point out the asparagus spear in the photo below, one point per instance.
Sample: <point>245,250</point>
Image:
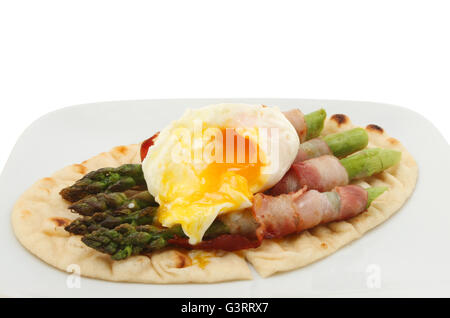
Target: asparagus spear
<point>347,142</point>
<point>117,202</point>
<point>314,123</point>
<point>373,193</point>
<point>314,173</point>
<point>370,161</point>
<point>98,203</point>
<point>340,144</point>
<point>105,180</point>
<point>126,239</point>
<point>88,224</point>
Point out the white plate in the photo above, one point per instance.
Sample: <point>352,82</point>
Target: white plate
<point>408,255</point>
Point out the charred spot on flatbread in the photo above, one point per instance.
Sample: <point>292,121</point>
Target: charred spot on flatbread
<point>25,213</point>
<point>375,128</point>
<point>121,149</point>
<point>80,168</point>
<point>340,119</point>
<point>49,181</point>
<point>181,260</point>
<point>60,221</point>
<point>393,141</point>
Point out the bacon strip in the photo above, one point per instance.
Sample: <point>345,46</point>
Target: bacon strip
<point>312,149</point>
<point>297,119</point>
<point>353,200</point>
<point>295,212</point>
<point>322,173</point>
<point>278,216</point>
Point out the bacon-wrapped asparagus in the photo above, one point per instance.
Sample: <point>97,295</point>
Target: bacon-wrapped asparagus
<point>326,172</point>
<point>281,215</point>
<point>340,145</point>
<point>307,126</point>
<point>274,217</point>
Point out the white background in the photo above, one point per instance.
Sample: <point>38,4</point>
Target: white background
<point>59,53</point>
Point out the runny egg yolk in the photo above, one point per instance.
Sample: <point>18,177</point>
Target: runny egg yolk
<point>220,187</point>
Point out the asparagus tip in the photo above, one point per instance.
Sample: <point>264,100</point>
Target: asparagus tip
<point>373,193</point>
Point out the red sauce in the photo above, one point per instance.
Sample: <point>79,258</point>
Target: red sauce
<point>147,144</point>
<point>226,242</point>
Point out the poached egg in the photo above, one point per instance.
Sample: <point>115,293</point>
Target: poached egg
<point>213,159</point>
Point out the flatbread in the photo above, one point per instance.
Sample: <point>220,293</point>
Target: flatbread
<point>40,214</point>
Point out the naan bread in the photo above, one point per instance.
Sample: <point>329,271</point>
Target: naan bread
<point>40,214</point>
